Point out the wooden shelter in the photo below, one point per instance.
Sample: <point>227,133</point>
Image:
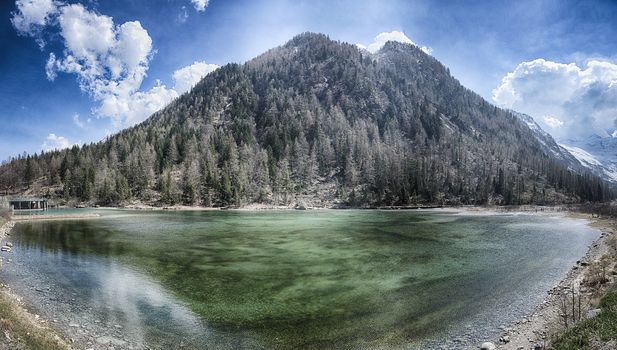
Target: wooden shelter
<point>29,203</point>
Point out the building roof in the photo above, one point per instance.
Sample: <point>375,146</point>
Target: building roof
<point>28,199</point>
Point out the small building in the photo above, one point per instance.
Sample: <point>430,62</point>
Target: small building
<point>29,203</point>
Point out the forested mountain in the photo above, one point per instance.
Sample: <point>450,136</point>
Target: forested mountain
<point>321,122</point>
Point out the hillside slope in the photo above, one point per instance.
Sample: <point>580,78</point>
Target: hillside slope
<point>321,122</point>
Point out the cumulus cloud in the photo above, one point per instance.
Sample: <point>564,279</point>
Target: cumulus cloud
<point>142,104</point>
<point>200,5</point>
<point>382,38</point>
<point>55,142</point>
<point>31,16</point>
<point>110,60</point>
<point>137,106</point>
<point>185,78</point>
<point>576,101</point>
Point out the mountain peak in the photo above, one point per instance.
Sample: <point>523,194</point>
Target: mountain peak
<point>397,46</point>
<point>307,38</point>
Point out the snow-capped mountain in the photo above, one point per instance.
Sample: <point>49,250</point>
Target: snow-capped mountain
<point>596,153</point>
<point>551,147</point>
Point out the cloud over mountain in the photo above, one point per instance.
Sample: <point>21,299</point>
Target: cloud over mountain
<point>570,101</point>
<point>185,78</point>
<point>55,142</point>
<point>382,38</point>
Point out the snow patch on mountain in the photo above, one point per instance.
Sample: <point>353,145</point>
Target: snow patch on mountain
<point>596,153</point>
<point>548,143</point>
<point>583,156</point>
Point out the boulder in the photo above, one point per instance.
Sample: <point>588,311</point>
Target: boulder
<point>593,313</point>
<point>488,346</point>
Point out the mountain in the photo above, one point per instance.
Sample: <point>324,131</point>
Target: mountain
<point>562,154</point>
<point>597,153</point>
<point>322,123</point>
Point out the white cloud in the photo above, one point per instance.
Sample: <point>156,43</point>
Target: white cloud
<point>31,16</point>
<point>137,106</point>
<point>185,78</point>
<point>552,121</point>
<point>54,142</point>
<point>142,104</point>
<point>183,15</point>
<point>81,123</point>
<point>200,5</point>
<point>382,38</point>
<point>78,121</point>
<point>111,62</point>
<point>579,101</point>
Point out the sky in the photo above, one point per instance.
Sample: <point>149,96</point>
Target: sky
<point>76,71</point>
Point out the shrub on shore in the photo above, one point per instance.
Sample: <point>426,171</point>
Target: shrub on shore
<point>599,329</point>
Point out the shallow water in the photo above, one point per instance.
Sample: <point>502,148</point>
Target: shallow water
<point>310,279</point>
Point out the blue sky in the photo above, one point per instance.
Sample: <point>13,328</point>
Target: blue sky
<point>552,59</point>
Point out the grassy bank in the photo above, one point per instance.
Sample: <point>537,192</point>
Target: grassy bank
<point>21,330</point>
<point>600,329</point>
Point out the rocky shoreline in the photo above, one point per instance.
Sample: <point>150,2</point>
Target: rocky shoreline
<point>6,229</point>
<point>536,330</point>
<point>20,328</point>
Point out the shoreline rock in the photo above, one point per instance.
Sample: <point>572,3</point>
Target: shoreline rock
<point>5,230</point>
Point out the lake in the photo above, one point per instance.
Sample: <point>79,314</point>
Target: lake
<point>318,279</point>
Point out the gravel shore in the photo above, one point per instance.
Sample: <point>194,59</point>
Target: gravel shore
<point>535,331</point>
<point>6,229</point>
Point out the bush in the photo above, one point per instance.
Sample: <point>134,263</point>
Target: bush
<point>602,327</point>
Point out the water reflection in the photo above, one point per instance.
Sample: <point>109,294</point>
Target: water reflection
<point>333,279</point>
<point>107,301</point>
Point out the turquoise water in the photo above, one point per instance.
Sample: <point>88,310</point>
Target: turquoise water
<point>310,279</point>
